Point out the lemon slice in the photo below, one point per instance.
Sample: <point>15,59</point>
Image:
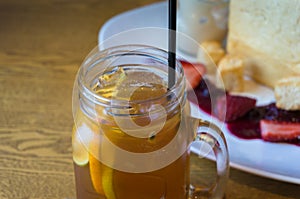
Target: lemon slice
<point>80,155</point>
<point>101,175</point>
<point>107,182</point>
<point>102,178</point>
<point>96,174</point>
<point>81,139</point>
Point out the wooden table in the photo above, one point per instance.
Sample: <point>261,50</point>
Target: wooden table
<point>42,44</point>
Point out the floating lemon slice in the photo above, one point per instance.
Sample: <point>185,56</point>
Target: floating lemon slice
<point>101,175</point>
<point>107,182</point>
<point>80,155</point>
<point>96,174</point>
<point>102,178</point>
<point>81,139</point>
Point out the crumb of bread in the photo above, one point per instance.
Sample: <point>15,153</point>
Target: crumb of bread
<point>210,54</point>
<point>269,42</point>
<point>287,93</point>
<point>231,72</point>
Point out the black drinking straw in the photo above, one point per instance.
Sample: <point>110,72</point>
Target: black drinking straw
<point>172,42</point>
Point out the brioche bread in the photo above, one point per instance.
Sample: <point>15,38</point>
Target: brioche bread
<point>287,93</point>
<point>267,35</point>
<point>231,71</point>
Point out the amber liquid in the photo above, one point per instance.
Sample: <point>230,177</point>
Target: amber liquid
<point>170,183</point>
<point>95,180</point>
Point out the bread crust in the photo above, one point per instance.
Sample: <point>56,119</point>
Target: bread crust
<point>262,67</point>
<point>287,93</point>
<point>231,71</point>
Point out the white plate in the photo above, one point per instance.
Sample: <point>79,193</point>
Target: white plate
<point>272,160</point>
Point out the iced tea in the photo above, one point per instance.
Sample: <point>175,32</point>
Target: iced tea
<point>94,179</point>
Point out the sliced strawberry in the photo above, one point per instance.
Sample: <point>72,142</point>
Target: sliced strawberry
<point>279,131</point>
<point>231,107</point>
<point>193,73</point>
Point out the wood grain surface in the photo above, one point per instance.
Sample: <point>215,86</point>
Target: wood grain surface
<point>42,44</point>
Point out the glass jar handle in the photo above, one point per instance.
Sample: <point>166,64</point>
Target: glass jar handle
<point>214,137</point>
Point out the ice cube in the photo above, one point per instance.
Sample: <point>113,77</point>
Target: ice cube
<point>140,85</point>
<point>107,82</point>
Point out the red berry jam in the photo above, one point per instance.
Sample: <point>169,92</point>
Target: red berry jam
<point>247,126</point>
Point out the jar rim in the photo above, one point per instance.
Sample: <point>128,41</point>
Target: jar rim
<point>98,55</point>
